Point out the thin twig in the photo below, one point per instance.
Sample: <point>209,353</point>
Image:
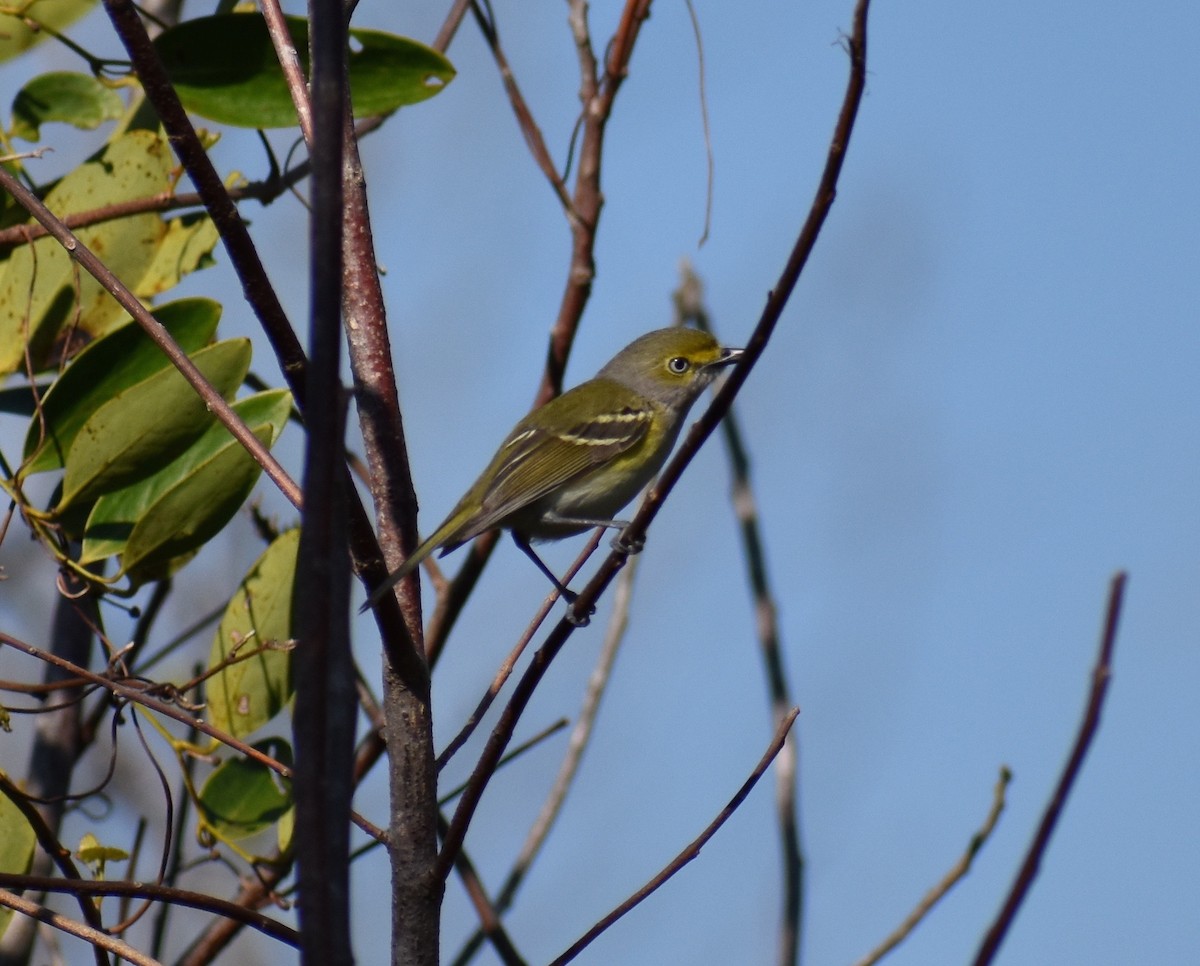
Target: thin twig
<point>1088,727</point>
<point>489,918</point>
<point>577,743</point>
<point>529,127</point>
<point>689,307</point>
<point>597,93</point>
<point>289,62</point>
<point>516,752</point>
<point>155,893</point>
<point>708,150</point>
<point>450,25</point>
<point>506,667</point>
<point>690,852</point>
<point>99,939</point>
<point>949,880</point>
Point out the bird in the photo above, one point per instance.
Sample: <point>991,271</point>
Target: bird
<point>573,463</point>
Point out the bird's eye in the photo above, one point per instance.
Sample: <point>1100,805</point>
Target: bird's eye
<point>679,365</point>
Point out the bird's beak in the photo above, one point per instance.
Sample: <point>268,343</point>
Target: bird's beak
<point>727,357</point>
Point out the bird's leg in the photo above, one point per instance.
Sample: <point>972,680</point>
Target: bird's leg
<point>564,591</point>
<point>619,543</point>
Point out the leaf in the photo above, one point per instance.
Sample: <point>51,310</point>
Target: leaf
<point>224,68</point>
<point>97,856</point>
<point>16,35</point>
<point>199,486</point>
<point>77,99</point>
<point>44,300</point>
<point>113,363</point>
<point>245,695</point>
<point>242,797</point>
<point>192,512</point>
<point>17,840</point>
<point>142,428</point>
<point>186,247</point>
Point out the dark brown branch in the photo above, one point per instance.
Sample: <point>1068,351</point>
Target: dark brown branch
<point>155,893</point>
<point>485,909</point>
<point>691,851</point>
<point>577,744</point>
<point>254,894</point>
<point>529,127</point>
<point>1101,674</point>
<point>326,711</point>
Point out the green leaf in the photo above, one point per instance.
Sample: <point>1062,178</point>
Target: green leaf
<point>224,68</point>
<point>144,427</point>
<point>186,247</point>
<point>191,513</point>
<point>245,695</point>
<point>242,797</point>
<point>199,491</point>
<point>97,856</point>
<point>17,840</point>
<point>77,99</point>
<point>109,365</point>
<point>45,301</point>
<point>15,33</point>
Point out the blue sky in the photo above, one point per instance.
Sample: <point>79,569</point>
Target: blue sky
<point>981,403</point>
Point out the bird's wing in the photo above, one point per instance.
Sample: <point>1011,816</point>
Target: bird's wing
<point>545,451</point>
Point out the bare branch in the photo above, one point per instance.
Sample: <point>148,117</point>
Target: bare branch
<point>489,918</point>
<point>529,127</point>
<point>289,62</point>
<point>155,893</point>
<point>1101,674</point>
<point>577,743</point>
<point>99,939</point>
<point>326,712</point>
<point>949,880</point>
<point>691,851</point>
<point>689,307</point>
<point>506,667</point>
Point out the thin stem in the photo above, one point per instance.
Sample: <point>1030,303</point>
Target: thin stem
<point>99,939</point>
<point>949,880</point>
<point>691,851</point>
<point>1101,674</point>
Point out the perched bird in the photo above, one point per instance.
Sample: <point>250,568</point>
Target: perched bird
<point>573,463</point>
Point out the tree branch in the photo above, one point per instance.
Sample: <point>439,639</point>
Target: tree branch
<point>1101,674</point>
<point>949,880</point>
<point>690,852</point>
